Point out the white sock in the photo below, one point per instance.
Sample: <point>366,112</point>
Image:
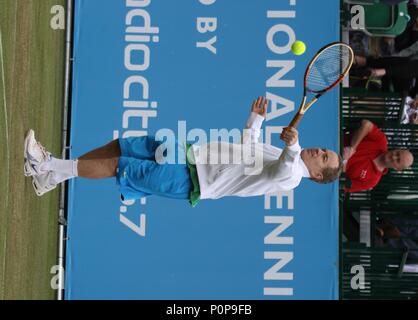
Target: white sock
<point>58,177</point>
<point>66,167</point>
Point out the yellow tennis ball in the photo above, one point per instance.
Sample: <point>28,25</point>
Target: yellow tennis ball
<point>298,48</point>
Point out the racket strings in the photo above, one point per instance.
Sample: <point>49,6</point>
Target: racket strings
<point>328,68</point>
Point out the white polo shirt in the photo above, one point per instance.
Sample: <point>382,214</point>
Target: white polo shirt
<point>247,169</point>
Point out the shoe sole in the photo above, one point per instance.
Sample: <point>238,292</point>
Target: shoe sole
<point>27,170</point>
<point>38,190</point>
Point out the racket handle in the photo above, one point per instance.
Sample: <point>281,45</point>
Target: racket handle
<point>294,123</point>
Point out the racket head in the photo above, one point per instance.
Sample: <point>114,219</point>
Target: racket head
<point>328,68</point>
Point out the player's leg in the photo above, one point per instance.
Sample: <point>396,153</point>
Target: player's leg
<point>139,147</point>
<point>48,172</point>
<point>97,168</point>
<point>95,164</point>
<point>141,175</point>
<point>110,150</point>
<point>136,176</point>
<point>56,171</point>
<point>38,160</point>
<point>103,162</point>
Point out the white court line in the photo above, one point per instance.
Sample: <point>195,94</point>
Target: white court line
<point>5,113</point>
<point>7,153</point>
<point>4,98</point>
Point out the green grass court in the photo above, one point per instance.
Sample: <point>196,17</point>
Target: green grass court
<point>31,96</point>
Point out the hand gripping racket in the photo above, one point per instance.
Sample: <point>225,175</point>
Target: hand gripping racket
<point>325,71</point>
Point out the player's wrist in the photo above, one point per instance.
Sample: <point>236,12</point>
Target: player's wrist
<point>295,147</point>
<point>255,120</point>
<point>291,143</point>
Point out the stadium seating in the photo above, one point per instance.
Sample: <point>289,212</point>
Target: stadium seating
<point>396,196</point>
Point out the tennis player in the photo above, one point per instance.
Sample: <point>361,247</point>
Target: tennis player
<point>133,161</point>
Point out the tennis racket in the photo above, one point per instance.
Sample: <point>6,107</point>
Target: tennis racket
<point>325,71</point>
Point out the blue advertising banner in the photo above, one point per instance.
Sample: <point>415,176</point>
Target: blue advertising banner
<point>153,67</point>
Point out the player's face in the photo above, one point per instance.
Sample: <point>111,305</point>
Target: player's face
<point>316,160</point>
<point>398,159</point>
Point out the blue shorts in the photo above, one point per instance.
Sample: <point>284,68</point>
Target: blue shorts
<point>139,175</point>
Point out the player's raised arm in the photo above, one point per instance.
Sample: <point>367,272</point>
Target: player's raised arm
<point>290,136</point>
<point>259,106</point>
<point>251,132</point>
<point>286,166</point>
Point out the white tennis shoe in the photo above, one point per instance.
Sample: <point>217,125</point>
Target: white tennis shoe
<point>42,183</point>
<point>34,155</point>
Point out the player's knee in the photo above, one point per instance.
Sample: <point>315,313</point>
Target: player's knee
<point>114,166</point>
<point>115,147</point>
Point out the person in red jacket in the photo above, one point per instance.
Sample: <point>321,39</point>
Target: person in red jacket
<point>367,158</point>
